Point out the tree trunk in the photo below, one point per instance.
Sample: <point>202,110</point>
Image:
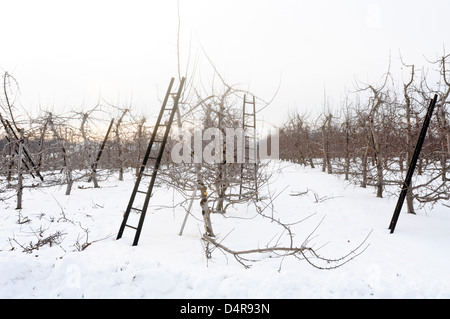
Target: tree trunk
<point>94,179</point>
<point>10,163</point>
<point>308,148</point>
<point>69,180</point>
<point>19,173</point>
<point>409,193</point>
<point>364,168</point>
<point>206,214</point>
<point>379,177</point>
<point>41,144</point>
<point>347,151</point>
<point>378,156</point>
<point>326,129</point>
<point>139,146</point>
<point>119,144</point>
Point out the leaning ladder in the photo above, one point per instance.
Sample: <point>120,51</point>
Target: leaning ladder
<point>249,169</point>
<point>12,138</point>
<point>159,136</point>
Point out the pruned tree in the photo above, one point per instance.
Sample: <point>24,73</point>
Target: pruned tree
<point>326,131</point>
<point>408,101</point>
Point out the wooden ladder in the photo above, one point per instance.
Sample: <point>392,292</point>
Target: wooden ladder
<point>249,169</point>
<point>158,141</point>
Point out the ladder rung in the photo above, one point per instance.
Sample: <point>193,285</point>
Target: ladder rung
<point>248,187</point>
<point>249,114</point>
<point>143,192</point>
<point>138,209</point>
<point>145,174</point>
<point>131,226</point>
<point>245,125</point>
<point>248,102</point>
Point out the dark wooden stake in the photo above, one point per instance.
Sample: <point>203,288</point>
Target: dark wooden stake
<point>412,165</point>
<point>99,155</point>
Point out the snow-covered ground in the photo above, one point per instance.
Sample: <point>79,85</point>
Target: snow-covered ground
<point>413,262</point>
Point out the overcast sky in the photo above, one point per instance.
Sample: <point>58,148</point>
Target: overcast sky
<point>70,53</point>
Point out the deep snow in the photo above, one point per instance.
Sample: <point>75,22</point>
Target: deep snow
<point>411,263</point>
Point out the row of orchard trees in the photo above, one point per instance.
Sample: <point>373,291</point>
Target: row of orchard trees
<point>370,139</point>
<point>68,147</point>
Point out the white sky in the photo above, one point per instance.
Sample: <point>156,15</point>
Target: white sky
<point>68,53</point>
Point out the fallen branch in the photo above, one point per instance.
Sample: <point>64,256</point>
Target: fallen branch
<point>291,251</point>
<point>53,239</point>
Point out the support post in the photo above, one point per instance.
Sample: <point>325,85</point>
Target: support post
<point>19,172</point>
<point>194,193</point>
<point>99,155</point>
<point>407,183</point>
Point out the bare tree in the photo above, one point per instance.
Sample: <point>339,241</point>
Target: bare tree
<point>326,131</point>
<point>118,142</point>
<point>409,132</point>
